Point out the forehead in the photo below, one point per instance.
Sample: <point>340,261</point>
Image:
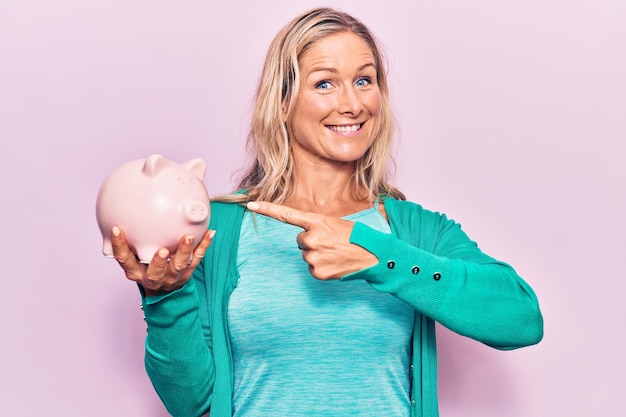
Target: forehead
<point>338,48</point>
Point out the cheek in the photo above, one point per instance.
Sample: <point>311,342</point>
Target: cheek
<point>320,106</point>
<point>314,105</point>
<point>373,103</point>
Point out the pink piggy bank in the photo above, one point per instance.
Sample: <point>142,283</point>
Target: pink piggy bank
<point>155,202</point>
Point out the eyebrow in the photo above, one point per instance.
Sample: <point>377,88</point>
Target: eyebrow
<point>334,70</point>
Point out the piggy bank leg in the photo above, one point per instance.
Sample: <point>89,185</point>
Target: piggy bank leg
<point>107,247</point>
<point>146,253</point>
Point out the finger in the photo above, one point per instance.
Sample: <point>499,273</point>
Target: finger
<point>123,254</point>
<point>156,269</point>
<point>282,213</point>
<point>199,252</point>
<point>181,259</point>
<point>300,241</point>
<point>187,262</point>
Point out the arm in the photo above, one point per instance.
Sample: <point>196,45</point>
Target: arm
<point>178,360</point>
<point>454,283</point>
<point>193,367</point>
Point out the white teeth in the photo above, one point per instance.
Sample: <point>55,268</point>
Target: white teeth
<point>345,129</point>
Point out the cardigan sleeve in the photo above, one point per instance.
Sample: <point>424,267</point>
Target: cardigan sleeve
<point>178,359</point>
<point>445,276</point>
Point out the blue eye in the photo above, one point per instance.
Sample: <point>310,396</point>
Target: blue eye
<point>362,82</point>
<point>323,85</point>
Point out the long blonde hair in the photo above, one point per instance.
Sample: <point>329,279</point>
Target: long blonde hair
<point>271,176</point>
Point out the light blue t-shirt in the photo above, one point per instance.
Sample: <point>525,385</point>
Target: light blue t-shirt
<point>305,347</point>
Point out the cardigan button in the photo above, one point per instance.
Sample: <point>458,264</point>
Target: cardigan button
<point>413,403</point>
<point>437,276</point>
<point>391,264</point>
<point>415,270</point>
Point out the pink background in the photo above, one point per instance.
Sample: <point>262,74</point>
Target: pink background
<point>512,120</point>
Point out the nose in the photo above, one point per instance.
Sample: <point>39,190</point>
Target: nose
<point>349,101</point>
<point>197,211</point>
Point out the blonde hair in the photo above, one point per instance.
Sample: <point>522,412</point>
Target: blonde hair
<point>271,176</point>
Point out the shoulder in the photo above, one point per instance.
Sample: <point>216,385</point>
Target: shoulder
<point>226,206</point>
<point>410,221</point>
<point>225,213</point>
<point>409,209</point>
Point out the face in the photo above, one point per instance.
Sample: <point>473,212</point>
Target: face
<point>337,110</point>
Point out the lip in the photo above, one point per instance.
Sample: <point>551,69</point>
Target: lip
<point>346,129</point>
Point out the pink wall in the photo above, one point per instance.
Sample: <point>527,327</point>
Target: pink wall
<point>513,123</point>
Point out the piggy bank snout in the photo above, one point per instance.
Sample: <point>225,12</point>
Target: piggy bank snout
<point>197,211</point>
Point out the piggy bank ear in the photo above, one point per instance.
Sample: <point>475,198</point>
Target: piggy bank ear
<point>197,166</point>
<point>155,164</point>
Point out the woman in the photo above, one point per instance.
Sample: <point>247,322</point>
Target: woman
<point>319,296</point>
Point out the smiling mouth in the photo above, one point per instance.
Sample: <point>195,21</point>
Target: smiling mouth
<point>345,128</point>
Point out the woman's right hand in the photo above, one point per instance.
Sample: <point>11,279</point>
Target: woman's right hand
<point>166,272</point>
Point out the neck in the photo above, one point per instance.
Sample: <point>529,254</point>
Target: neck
<point>326,187</point>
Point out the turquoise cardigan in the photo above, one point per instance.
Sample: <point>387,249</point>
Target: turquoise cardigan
<point>427,261</point>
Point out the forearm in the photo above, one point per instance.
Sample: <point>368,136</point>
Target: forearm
<point>473,295</point>
<point>178,360</point>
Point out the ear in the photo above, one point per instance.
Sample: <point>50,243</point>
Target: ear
<point>197,166</point>
<point>155,164</point>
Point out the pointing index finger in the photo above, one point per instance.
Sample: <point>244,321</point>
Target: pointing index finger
<point>282,213</point>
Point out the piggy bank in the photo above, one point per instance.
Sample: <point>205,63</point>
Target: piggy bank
<point>155,202</point>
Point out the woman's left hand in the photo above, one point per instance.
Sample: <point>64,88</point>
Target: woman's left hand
<point>325,241</point>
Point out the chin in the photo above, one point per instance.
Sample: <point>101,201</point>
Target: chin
<point>348,156</point>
